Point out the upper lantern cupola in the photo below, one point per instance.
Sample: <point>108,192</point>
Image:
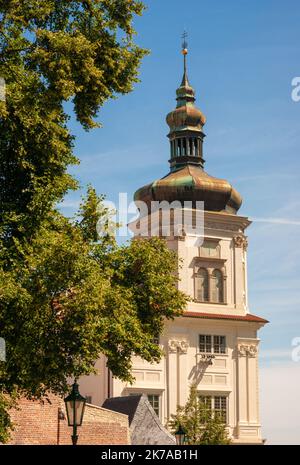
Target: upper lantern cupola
<point>186,124</point>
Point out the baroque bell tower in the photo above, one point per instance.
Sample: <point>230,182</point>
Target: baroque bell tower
<point>214,344</point>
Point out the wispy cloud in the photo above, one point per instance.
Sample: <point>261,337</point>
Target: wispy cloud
<point>275,354</point>
<point>281,301</point>
<point>69,204</point>
<point>263,144</point>
<point>265,176</point>
<point>118,161</point>
<point>283,221</point>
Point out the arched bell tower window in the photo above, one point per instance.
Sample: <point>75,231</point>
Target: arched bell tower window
<point>217,286</point>
<point>209,285</point>
<point>201,285</point>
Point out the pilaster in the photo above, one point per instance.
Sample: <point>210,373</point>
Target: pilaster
<point>248,426</point>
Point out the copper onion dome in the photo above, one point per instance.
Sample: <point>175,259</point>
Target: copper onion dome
<point>187,181</point>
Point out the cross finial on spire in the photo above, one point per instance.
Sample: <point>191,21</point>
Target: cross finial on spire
<point>184,52</point>
<point>184,43</point>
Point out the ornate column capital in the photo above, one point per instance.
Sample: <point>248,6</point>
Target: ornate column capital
<point>183,346</point>
<point>182,235</point>
<point>175,345</point>
<point>240,241</point>
<point>249,350</point>
<point>252,351</point>
<point>242,350</point>
<point>172,346</point>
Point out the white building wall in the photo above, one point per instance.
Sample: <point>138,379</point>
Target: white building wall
<point>234,374</point>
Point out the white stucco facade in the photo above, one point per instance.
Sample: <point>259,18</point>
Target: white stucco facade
<point>227,376</point>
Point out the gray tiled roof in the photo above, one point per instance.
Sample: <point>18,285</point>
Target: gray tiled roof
<point>127,405</point>
<point>145,426</point>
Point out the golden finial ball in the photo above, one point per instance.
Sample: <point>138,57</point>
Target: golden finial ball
<point>184,51</point>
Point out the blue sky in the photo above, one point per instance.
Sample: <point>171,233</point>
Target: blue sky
<point>242,58</point>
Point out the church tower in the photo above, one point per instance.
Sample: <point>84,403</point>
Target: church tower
<point>214,344</point>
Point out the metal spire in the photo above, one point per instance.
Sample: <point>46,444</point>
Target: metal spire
<point>185,81</point>
<point>185,93</point>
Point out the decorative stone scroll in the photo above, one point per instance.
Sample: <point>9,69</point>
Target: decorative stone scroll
<point>252,351</point>
<point>240,241</point>
<point>183,346</point>
<point>182,236</point>
<point>247,349</point>
<point>173,345</point>
<point>180,346</point>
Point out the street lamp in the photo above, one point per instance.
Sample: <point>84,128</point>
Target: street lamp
<point>180,436</point>
<point>186,440</point>
<point>75,404</point>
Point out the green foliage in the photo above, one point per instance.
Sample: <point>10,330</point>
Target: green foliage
<point>6,426</point>
<point>66,299</point>
<point>53,51</point>
<point>67,296</point>
<point>201,424</point>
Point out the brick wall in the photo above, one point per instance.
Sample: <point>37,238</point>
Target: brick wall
<point>38,423</point>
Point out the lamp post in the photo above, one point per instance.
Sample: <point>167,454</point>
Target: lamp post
<point>180,436</point>
<point>75,404</point>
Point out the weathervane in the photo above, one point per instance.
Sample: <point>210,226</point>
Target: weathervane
<point>184,43</point>
<point>184,49</point>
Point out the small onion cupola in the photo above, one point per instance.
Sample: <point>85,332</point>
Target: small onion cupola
<point>186,125</point>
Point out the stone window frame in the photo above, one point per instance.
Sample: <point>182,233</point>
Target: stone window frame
<point>217,275</point>
<point>212,344</point>
<point>158,402</point>
<point>147,392</point>
<point>210,265</point>
<point>206,291</point>
<point>216,394</point>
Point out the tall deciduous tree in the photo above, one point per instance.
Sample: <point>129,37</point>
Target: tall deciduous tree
<point>65,295</point>
<point>52,51</point>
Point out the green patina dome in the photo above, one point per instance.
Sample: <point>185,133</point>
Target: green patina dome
<point>192,183</point>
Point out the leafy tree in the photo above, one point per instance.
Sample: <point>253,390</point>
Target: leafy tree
<point>201,424</point>
<point>71,298</point>
<point>6,426</point>
<point>65,295</point>
<point>53,51</point>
